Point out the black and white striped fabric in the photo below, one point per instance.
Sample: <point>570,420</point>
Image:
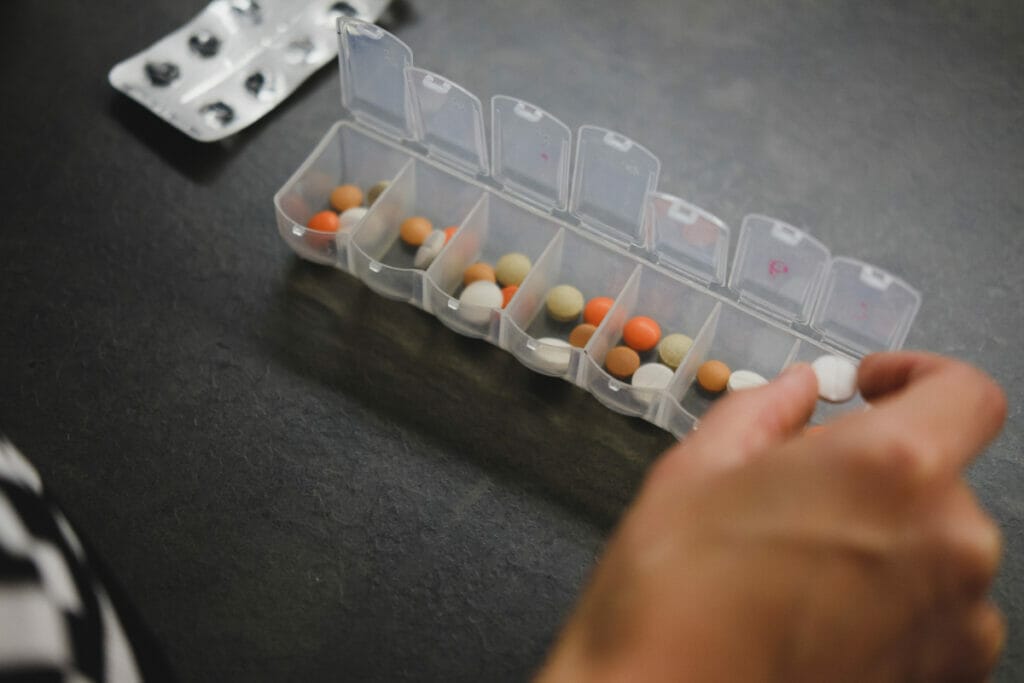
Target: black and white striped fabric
<point>57,622</point>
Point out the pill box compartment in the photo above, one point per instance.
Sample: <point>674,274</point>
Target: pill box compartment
<point>344,155</point>
<point>571,259</point>
<point>610,232</point>
<point>495,227</point>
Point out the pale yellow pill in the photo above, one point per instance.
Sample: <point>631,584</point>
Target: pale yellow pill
<point>673,348</point>
<point>565,303</point>
<point>511,269</point>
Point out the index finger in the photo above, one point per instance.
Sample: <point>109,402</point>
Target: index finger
<point>930,413</point>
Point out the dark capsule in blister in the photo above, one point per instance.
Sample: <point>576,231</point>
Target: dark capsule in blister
<point>162,73</point>
<point>204,43</point>
<point>217,114</point>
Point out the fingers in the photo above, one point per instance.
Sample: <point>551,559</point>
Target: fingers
<point>932,415</point>
<point>963,646</point>
<point>745,423</point>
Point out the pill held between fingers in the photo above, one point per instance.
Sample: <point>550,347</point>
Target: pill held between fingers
<point>596,309</point>
<point>511,269</point>
<point>345,197</point>
<point>622,362</point>
<point>477,300</point>
<point>837,378</point>
<point>429,250</point>
<point>641,333</point>
<point>507,293</point>
<point>350,218</point>
<point>478,271</point>
<point>652,376</point>
<point>673,348</point>
<point>375,191</point>
<point>564,303</point>
<point>553,352</point>
<point>744,379</point>
<point>713,376</point>
<point>414,230</point>
<point>581,334</point>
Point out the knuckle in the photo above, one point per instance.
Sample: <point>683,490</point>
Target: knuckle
<point>899,456</point>
<point>974,550</point>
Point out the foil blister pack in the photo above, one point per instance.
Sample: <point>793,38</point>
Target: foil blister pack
<point>235,61</point>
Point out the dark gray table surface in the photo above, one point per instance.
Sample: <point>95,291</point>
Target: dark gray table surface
<point>291,478</point>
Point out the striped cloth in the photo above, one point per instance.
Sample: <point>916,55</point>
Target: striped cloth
<point>57,622</point>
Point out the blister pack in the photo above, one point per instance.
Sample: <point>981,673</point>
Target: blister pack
<point>235,61</point>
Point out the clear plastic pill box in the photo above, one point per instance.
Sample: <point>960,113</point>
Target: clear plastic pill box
<point>586,209</point>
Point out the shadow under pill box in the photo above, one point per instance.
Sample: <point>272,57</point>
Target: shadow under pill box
<point>642,271</point>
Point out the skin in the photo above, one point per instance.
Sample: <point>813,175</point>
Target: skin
<point>756,551</point>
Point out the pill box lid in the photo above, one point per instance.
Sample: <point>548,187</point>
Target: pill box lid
<point>863,308</point>
<point>447,119</point>
<point>530,151</point>
<point>778,268</point>
<point>687,238</point>
<point>372,66</point>
<point>611,180</point>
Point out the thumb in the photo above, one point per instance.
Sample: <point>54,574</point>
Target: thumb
<point>743,425</point>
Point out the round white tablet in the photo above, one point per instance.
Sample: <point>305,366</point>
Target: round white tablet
<point>429,250</point>
<point>837,378</point>
<point>477,300</point>
<point>554,352</point>
<point>744,379</point>
<point>350,217</point>
<point>652,376</point>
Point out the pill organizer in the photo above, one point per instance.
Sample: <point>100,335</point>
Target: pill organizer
<point>609,232</point>
<point>235,61</point>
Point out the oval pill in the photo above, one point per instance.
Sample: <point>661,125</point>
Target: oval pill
<point>477,300</point>
<point>673,348</point>
<point>345,197</point>
<point>349,218</point>
<point>744,379</point>
<point>622,362</point>
<point>837,378</point>
<point>564,303</point>
<point>596,309</point>
<point>713,376</point>
<point>652,376</point>
<point>641,333</point>
<point>554,352</point>
<point>581,334</point>
<point>429,250</point>
<point>414,230</point>
<point>324,221</point>
<point>507,293</point>
<point>478,271</point>
<point>511,269</point>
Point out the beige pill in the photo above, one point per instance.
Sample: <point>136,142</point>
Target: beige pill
<point>713,376</point>
<point>564,303</point>
<point>511,269</point>
<point>673,348</point>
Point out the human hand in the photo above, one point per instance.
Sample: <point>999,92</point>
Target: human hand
<point>758,552</point>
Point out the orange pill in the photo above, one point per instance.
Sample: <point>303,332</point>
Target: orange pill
<point>345,197</point>
<point>596,309</point>
<point>449,232</point>
<point>641,333</point>
<point>414,230</point>
<point>478,271</point>
<point>713,376</point>
<point>622,362</point>
<point>581,334</point>
<point>325,221</point>
<point>507,293</point>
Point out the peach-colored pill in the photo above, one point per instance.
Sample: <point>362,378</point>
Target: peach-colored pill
<point>345,197</point>
<point>713,376</point>
<point>622,362</point>
<point>478,271</point>
<point>581,334</point>
<point>414,230</point>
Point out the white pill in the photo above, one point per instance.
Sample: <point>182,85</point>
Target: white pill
<point>349,218</point>
<point>553,352</point>
<point>477,300</point>
<point>429,250</point>
<point>652,376</point>
<point>744,379</point>
<point>837,378</point>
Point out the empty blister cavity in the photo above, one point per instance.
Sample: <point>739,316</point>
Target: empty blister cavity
<point>378,255</point>
<point>571,259</point>
<point>344,156</point>
<point>494,228</point>
<point>676,307</point>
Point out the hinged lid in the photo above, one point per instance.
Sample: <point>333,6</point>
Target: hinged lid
<point>447,119</point>
<point>372,70</point>
<point>778,267</point>
<point>865,308</point>
<point>610,183</point>
<point>530,152</point>
<point>687,238</point>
